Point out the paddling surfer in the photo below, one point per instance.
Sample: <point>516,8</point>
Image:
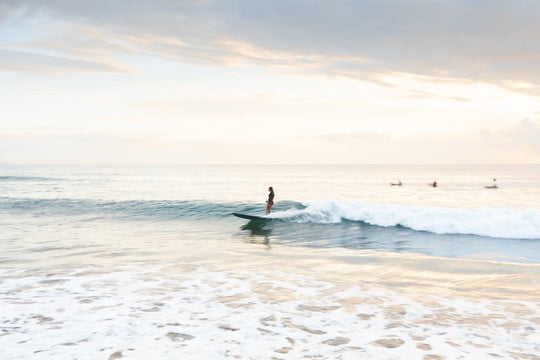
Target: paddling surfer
<point>270,200</point>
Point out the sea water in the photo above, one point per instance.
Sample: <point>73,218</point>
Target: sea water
<point>130,262</point>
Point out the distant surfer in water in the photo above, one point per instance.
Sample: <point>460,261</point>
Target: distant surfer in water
<point>396,184</point>
<point>494,186</point>
<point>434,184</point>
<point>270,200</point>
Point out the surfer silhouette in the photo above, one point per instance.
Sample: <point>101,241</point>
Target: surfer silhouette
<point>270,200</point>
<point>434,184</point>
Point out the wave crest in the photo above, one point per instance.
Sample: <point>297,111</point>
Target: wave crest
<point>492,222</point>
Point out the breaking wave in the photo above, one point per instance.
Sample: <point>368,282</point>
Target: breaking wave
<point>492,222</point>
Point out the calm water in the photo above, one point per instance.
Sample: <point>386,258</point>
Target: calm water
<point>103,262</point>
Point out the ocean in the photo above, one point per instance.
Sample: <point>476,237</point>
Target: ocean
<point>131,262</point>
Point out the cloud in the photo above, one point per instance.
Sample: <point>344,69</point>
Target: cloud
<point>355,137</point>
<point>515,144</point>
<point>41,63</point>
<point>519,143</point>
<point>479,40</point>
<point>45,146</point>
<point>78,147</point>
<point>524,137</point>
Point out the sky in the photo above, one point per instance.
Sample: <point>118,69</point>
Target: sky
<point>269,82</point>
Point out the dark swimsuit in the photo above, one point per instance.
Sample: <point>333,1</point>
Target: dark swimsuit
<point>271,198</point>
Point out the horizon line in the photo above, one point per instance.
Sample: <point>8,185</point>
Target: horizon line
<point>260,164</point>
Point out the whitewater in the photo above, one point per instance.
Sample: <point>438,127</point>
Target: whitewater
<point>492,222</point>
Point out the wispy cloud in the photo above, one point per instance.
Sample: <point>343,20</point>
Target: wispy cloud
<point>355,137</point>
<point>487,146</point>
<point>524,136</point>
<point>45,64</point>
<point>515,144</point>
<point>480,40</point>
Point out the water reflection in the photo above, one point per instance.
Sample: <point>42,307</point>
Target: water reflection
<point>259,233</point>
<point>357,235</point>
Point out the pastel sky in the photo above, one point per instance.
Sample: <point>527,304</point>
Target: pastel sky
<point>260,82</point>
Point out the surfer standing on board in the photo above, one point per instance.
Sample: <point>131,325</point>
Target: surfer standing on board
<point>270,201</point>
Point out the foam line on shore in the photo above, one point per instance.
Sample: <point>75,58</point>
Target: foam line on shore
<point>199,313</point>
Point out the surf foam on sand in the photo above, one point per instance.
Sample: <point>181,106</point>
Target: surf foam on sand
<point>195,313</point>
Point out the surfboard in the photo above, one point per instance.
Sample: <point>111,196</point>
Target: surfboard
<point>250,217</point>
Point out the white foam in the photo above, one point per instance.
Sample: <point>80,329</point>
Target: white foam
<point>192,314</point>
<point>492,222</point>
